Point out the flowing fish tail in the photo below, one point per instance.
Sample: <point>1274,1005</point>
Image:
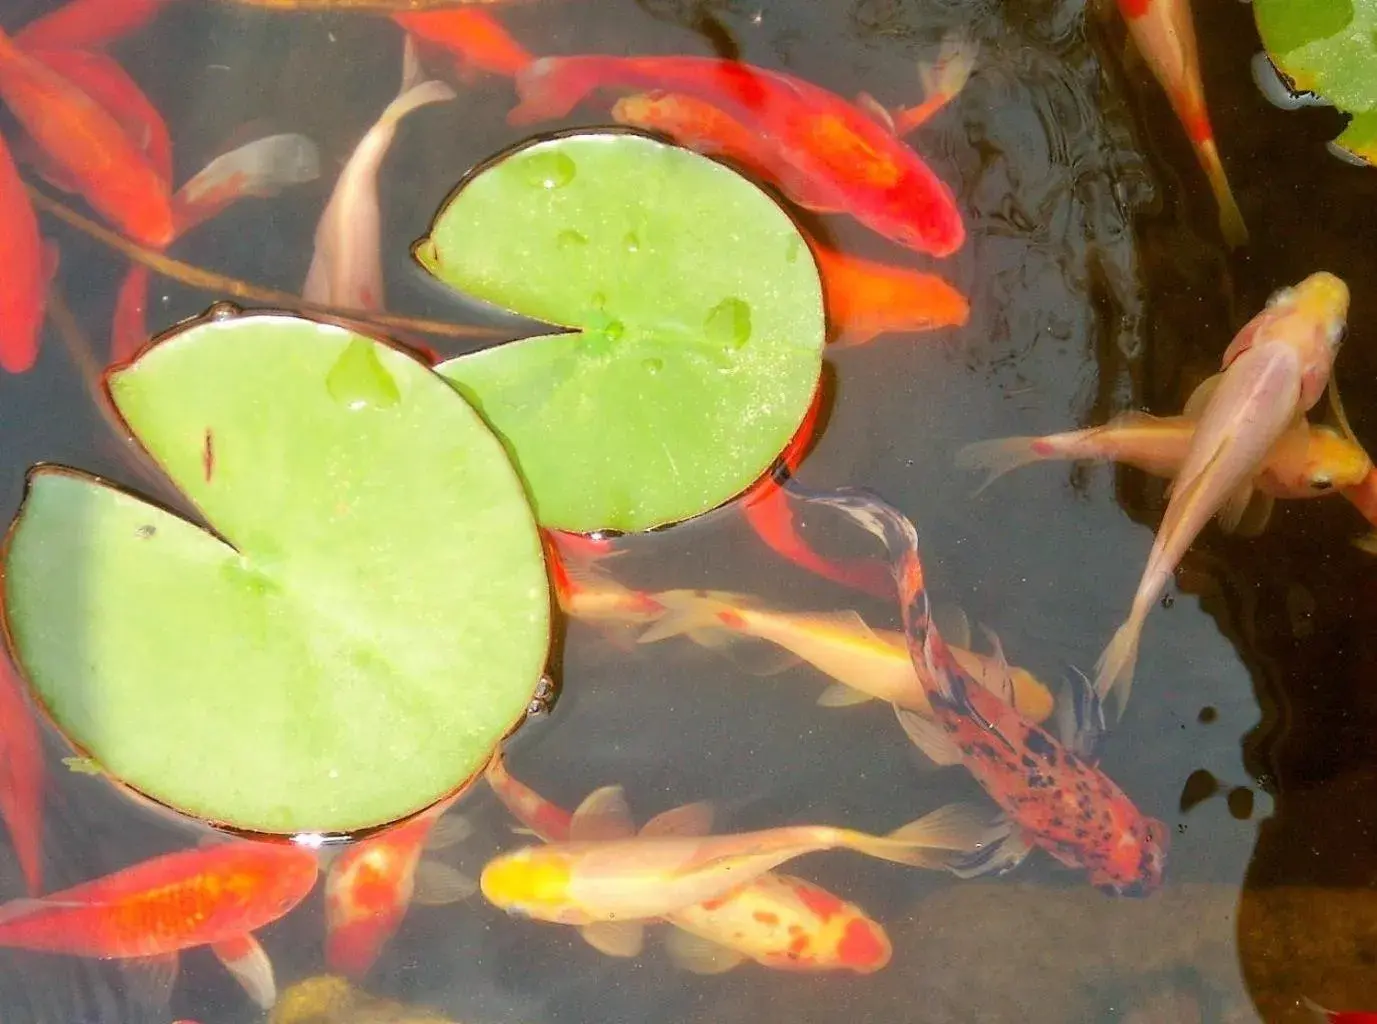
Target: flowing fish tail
<point>1230,217</point>
<point>1000,456</point>
<point>942,840</point>
<point>689,613</point>
<point>550,87</point>
<point>1114,670</point>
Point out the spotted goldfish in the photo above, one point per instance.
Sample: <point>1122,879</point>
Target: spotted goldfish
<point>1275,370</point>
<point>823,152</point>
<point>776,920</point>
<point>1052,795</point>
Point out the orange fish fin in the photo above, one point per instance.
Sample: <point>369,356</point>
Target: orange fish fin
<point>602,815</point>
<point>951,622</point>
<point>698,955</point>
<point>149,980</point>
<point>448,831</point>
<point>839,695</point>
<point>689,820</point>
<point>246,960</point>
<point>1004,675</point>
<point>1200,397</point>
<point>876,110</point>
<point>1255,515</point>
<point>615,938</point>
<point>929,737</point>
<point>947,838</point>
<point>1237,504</point>
<point>999,456</point>
<point>438,885</point>
<point>706,617</point>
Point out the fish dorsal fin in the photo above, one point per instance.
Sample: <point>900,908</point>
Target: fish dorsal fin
<point>603,815</point>
<point>839,695</point>
<point>1004,675</point>
<point>848,622</point>
<point>689,820</point>
<point>698,955</point>
<point>615,938</point>
<point>438,885</point>
<point>1200,397</point>
<point>248,962</point>
<point>876,111</point>
<point>952,623</point>
<point>448,831</point>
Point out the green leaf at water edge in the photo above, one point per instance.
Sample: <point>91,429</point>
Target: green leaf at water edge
<point>379,622</point>
<point>698,320</point>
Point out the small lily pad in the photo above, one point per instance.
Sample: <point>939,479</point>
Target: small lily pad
<point>697,320</point>
<point>373,621</point>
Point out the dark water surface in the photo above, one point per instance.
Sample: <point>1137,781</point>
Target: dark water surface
<point>1098,283</point>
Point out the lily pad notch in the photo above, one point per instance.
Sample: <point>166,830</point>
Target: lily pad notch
<point>368,620</point>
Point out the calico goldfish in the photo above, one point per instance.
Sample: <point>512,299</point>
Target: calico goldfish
<point>87,24</point>
<point>776,920</point>
<point>1165,34</point>
<point>607,880</point>
<point>213,896</point>
<point>24,283</point>
<point>823,152</point>
<point>369,887</point>
<point>865,299</point>
<point>1275,370</point>
<point>475,38</point>
<point>1052,795</point>
<point>89,144</point>
<point>868,664</point>
<point>346,269</point>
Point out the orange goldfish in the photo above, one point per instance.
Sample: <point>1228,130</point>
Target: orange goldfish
<point>346,269</point>
<point>585,592</point>
<point>24,282</point>
<point>607,880</point>
<point>89,144</point>
<point>213,896</point>
<point>776,920</point>
<point>21,777</point>
<point>475,38</point>
<point>369,887</point>
<point>1275,370</point>
<point>1165,34</point>
<point>1052,795</point>
<point>865,299</point>
<point>87,24</point>
<point>823,152</point>
<point>868,664</point>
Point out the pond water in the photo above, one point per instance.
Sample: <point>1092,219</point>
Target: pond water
<point>1097,282</point>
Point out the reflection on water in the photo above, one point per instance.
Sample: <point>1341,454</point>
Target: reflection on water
<point>1097,283</point>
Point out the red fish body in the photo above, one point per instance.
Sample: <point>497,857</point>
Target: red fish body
<point>823,152</point>
<point>865,299</point>
<point>87,24</point>
<point>21,776</point>
<point>23,283</point>
<point>698,125</point>
<point>475,38</point>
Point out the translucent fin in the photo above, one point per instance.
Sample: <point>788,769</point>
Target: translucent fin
<point>448,831</point>
<point>1003,849</point>
<point>998,457</point>
<point>1081,719</point>
<point>1114,670</point>
<point>246,960</point>
<point>615,938</point>
<point>689,820</point>
<point>1004,675</point>
<point>1336,406</point>
<point>602,815</point>
<point>839,695</point>
<point>1258,513</point>
<point>1200,397</point>
<point>150,980</point>
<point>929,737</point>
<point>946,836</point>
<point>698,955</point>
<point>951,621</point>
<point>695,614</point>
<point>1237,504</point>
<point>877,111</point>
<point>439,885</point>
<point>949,73</point>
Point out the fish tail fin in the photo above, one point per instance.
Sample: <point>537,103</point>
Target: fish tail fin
<point>945,839</point>
<point>999,457</point>
<point>1230,217</point>
<point>416,91</point>
<point>549,87</point>
<point>1114,670</point>
<point>947,75</point>
<point>700,615</point>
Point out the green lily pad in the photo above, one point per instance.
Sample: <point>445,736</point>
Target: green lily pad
<point>697,320</point>
<point>373,621</point>
<point>1328,47</point>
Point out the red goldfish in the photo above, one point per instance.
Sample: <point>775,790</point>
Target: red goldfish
<point>21,777</point>
<point>865,299</point>
<point>1340,1016</point>
<point>776,920</point>
<point>87,24</point>
<point>213,896</point>
<point>1275,370</point>
<point>1051,794</point>
<point>475,38</point>
<point>822,152</point>
<point>27,271</point>
<point>89,144</point>
<point>371,884</point>
<point>1165,34</point>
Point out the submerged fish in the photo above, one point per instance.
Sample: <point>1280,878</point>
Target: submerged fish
<point>776,920</point>
<point>87,24</point>
<point>27,271</point>
<point>1052,795</point>
<point>1275,370</point>
<point>21,776</point>
<point>865,299</point>
<point>476,39</point>
<point>822,151</point>
<point>586,591</point>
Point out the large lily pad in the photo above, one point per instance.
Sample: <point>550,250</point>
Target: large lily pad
<point>374,619</point>
<point>1329,47</point>
<point>698,320</point>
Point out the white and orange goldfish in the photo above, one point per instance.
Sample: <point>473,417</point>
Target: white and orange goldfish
<point>1275,370</point>
<point>868,664</point>
<point>1165,34</point>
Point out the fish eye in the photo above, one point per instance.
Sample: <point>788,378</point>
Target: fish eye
<point>1321,483</point>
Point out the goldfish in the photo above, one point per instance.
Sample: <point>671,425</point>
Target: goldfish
<point>865,299</point>
<point>89,144</point>
<point>607,880</point>
<point>1051,794</point>
<point>21,777</point>
<point>369,887</point>
<point>823,152</point>
<point>87,24</point>
<point>475,38</point>
<point>1164,33</point>
<point>28,269</point>
<point>1275,370</point>
<point>776,920</point>
<point>346,269</point>
<point>1340,1016</point>
<point>869,664</point>
<point>587,592</point>
<point>213,896</point>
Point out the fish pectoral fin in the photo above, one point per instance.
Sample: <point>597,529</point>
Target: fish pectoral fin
<point>698,955</point>
<point>839,695</point>
<point>1200,397</point>
<point>876,111</point>
<point>602,815</point>
<point>1080,723</point>
<point>439,884</point>
<point>951,621</point>
<point>1256,515</point>
<point>150,980</point>
<point>689,820</point>
<point>246,960</point>
<point>929,737</point>
<point>1234,508</point>
<point>996,849</point>
<point>615,938</point>
<point>448,831</point>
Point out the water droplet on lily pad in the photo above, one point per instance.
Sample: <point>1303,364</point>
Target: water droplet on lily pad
<point>359,380</point>
<point>632,242</point>
<point>548,170</point>
<point>223,311</point>
<point>653,365</point>
<point>729,323</point>
<point>571,239</point>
